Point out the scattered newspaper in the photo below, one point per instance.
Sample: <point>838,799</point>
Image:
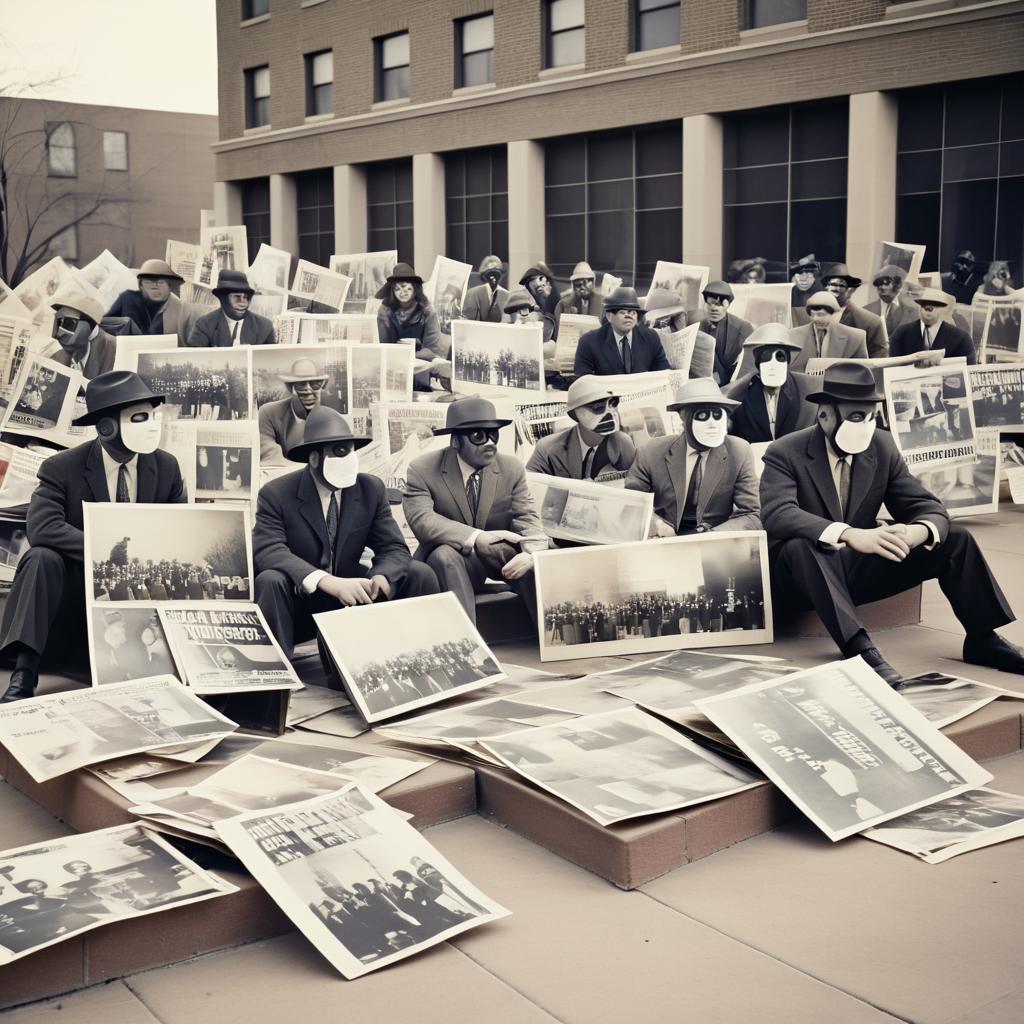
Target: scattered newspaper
<point>183,258</point>
<point>589,512</point>
<point>269,270</point>
<point>946,699</point>
<point>220,248</point>
<point>688,282</point>
<point>571,327</point>
<point>998,395</point>
<point>369,272</point>
<point>445,290</point>
<point>45,399</point>
<point>18,469</point>
<point>109,277</point>
<point>321,286</point>
<point>761,304</point>
<point>127,642</point>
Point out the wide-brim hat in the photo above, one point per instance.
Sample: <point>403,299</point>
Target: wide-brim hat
<point>402,272</point>
<point>700,391</point>
<point>582,272</point>
<point>158,268</point>
<point>324,426</point>
<point>303,369</point>
<point>934,297</point>
<point>489,264</point>
<point>661,303</point>
<point>519,299</point>
<point>772,336</point>
<point>89,307</point>
<point>112,391</point>
<point>586,389</point>
<point>622,298</point>
<point>721,289</point>
<point>538,269</point>
<point>841,271</point>
<point>470,414</point>
<point>847,382</point>
<point>229,281</point>
<point>822,298</point>
<point>889,270</point>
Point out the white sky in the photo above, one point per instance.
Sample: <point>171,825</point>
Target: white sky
<point>120,53</point>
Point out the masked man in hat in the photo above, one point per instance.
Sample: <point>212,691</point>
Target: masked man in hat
<point>930,331</point>
<point>893,309</point>
<point>728,330</point>
<point>620,344</point>
<point>596,445</point>
<point>486,301</point>
<point>282,422</point>
<point>842,284</point>
<point>84,345</point>
<point>234,323</point>
<point>123,464</point>
<point>581,299</point>
<point>804,275</point>
<point>471,510</point>
<point>963,279</point>
<point>539,283</point>
<point>311,528</point>
<point>702,479</point>
<point>821,491</point>
<point>772,399</point>
<point>155,308</point>
<point>823,337</point>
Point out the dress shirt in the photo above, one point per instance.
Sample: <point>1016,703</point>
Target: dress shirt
<point>110,469</point>
<point>771,403</point>
<point>618,343</point>
<point>467,471</point>
<point>928,335</point>
<point>310,583</point>
<point>231,327</point>
<point>586,450</point>
<point>79,364</point>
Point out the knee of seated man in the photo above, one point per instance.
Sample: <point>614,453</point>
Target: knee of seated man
<point>41,556</point>
<point>272,579</point>
<point>422,579</point>
<point>797,548</point>
<point>444,555</point>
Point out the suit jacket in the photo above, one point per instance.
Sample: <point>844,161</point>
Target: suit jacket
<point>731,332</point>
<point>569,303</point>
<point>871,325</point>
<point>291,532</point>
<point>799,497</point>
<point>437,509</point>
<point>598,353</point>
<point>902,314</point>
<point>279,432</point>
<point>176,317</point>
<point>727,499</point>
<point>478,304</point>
<point>561,454</point>
<point>793,411</point>
<point>953,340</point>
<point>211,331</point>
<point>76,475</point>
<point>840,343</point>
<point>100,358</point>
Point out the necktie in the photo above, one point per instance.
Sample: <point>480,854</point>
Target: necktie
<point>588,464</point>
<point>927,338</point>
<point>473,493</point>
<point>888,316</point>
<point>123,494</point>
<point>819,338</point>
<point>332,523</point>
<point>844,484</point>
<point>688,523</point>
<point>627,355</point>
<point>234,331</point>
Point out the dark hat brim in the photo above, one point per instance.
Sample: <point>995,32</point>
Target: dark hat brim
<point>830,396</point>
<point>848,279</point>
<point>232,291</point>
<point>474,425</point>
<point>300,452</point>
<point>382,292</point>
<point>90,419</point>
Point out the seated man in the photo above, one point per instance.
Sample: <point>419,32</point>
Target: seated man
<point>702,479</point>
<point>620,344</point>
<point>581,299</point>
<point>311,528</point>
<point>842,284</point>
<point>930,331</point>
<point>821,491</point>
<point>728,330</point>
<point>486,301</point>
<point>283,422</point>
<point>122,464</point>
<point>804,275</point>
<point>84,345</point>
<point>823,337</point>
<point>772,398</point>
<point>596,445</point>
<point>234,323</point>
<point>470,509</point>
<point>893,311</point>
<point>154,308</point>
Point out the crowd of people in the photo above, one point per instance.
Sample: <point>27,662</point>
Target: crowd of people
<point>199,393</point>
<point>164,580</point>
<point>504,370</point>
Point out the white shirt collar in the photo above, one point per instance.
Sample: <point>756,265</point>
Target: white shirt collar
<point>110,471</point>
<point>465,468</point>
<point>231,324</point>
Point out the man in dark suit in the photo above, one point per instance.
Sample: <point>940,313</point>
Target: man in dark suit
<point>471,510</point>
<point>312,527</point>
<point>582,299</point>
<point>84,345</point>
<point>893,311</point>
<point>486,301</point>
<point>842,284</point>
<point>620,345</point>
<point>155,308</point>
<point>930,331</point>
<point>728,330</point>
<point>821,491</point>
<point>233,323</point>
<point>123,464</point>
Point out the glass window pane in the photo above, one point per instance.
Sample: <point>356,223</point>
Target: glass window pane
<point>821,179</point>
<point>917,217</point>
<point>920,114</point>
<point>972,113</point>
<point>403,215</point>
<point>660,192</point>
<point>659,149</point>
<point>395,50</point>
<point>478,34</point>
<point>658,28</point>
<point>755,231</point>
<point>565,14</point>
<point>762,13</point>
<point>404,243</point>
<point>1010,225</point>
<point>478,172</point>
<point>455,242</point>
<point>1011,159</point>
<point>968,219</point>
<point>918,172</point>
<point>499,206</point>
<point>403,181</point>
<point>261,82</point>
<point>819,227</point>
<point>306,220</point>
<point>499,237</point>
<point>260,112</point>
<point>323,68</point>
<point>1013,107</point>
<point>60,150</point>
<point>380,185</point>
<point>565,161</point>
<point>565,239</point>
<point>476,68</point>
<point>757,138</point>
<point>395,84</point>
<point>565,199</point>
<point>499,169</point>
<point>115,151</point>
<point>322,99</point>
<point>379,217</point>
<point>820,130</point>
<point>610,156</point>
<point>478,242</point>
<point>455,209</point>
<point>659,236</point>
<point>478,208</point>
<point>970,162</point>
<point>610,195</point>
<point>757,185</point>
<point>610,242</point>
<point>567,48</point>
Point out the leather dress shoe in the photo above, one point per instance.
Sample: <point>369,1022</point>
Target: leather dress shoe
<point>22,685</point>
<point>994,652</point>
<point>873,657</point>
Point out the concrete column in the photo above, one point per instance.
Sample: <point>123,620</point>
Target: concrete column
<point>227,204</point>
<point>702,192</point>
<point>349,208</point>
<point>525,207</point>
<point>428,220</point>
<point>871,182</point>
<point>284,216</point>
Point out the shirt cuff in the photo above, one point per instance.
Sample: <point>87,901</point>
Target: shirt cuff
<point>310,583</point>
<point>471,539</point>
<point>831,534</point>
<point>934,531</point>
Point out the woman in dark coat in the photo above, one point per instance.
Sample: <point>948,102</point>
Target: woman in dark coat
<point>405,312</point>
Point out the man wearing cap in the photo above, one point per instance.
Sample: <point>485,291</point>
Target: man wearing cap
<point>123,464</point>
<point>772,399</point>
<point>234,323</point>
<point>580,299</point>
<point>889,282</point>
<point>930,331</point>
<point>486,301</point>
<point>311,528</point>
<point>282,422</point>
<point>962,280</point>
<point>471,510</point>
<point>821,492</point>
<point>842,284</point>
<point>701,479</point>
<point>155,308</point>
<point>823,337</point>
<point>620,344</point>
<point>728,330</point>
<point>804,275</point>
<point>84,345</point>
<point>596,445</point>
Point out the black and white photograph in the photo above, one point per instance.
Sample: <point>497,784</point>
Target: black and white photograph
<point>221,248</point>
<point>590,512</point>
<point>761,304</point>
<point>998,393</point>
<point>944,699</point>
<point>227,461</point>
<point>1003,334</point>
<point>397,656</point>
<point>486,356</point>
<point>18,469</point>
<point>446,290</point>
<point>843,746</point>
<point>182,258</point>
<point>128,642</point>
<point>324,289</point>
<point>534,420</point>
<point>269,270</point>
<point>199,384</point>
<point>332,328</point>
<point>363,886</point>
<point>130,345</point>
<point>52,891</point>
<point>43,398</point>
<point>307,375</point>
<point>709,590</point>
<point>970,489</point>
<point>570,327</point>
<point>643,416</point>
<point>35,289</point>
<point>689,351</point>
<point>619,765</point>
<point>685,281</point>
<point>368,272</point>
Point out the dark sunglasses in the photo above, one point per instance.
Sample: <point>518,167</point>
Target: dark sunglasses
<point>482,436</point>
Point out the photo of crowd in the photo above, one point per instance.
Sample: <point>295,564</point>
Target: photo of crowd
<point>506,369</point>
<point>207,386</point>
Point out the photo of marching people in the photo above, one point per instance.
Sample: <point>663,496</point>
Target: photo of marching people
<point>199,384</point>
<point>498,355</point>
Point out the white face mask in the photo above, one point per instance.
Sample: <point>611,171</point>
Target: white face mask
<point>140,428</point>
<point>341,471</point>
<point>853,438</point>
<point>606,422</point>
<point>773,373</point>
<point>710,432</point>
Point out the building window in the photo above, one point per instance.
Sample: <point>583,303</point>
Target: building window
<point>765,13</point>
<point>61,161</point>
<point>655,24</point>
<point>615,199</point>
<point>314,200</point>
<point>257,97</point>
<point>474,51</point>
<point>256,213</point>
<point>389,208</point>
<point>785,184</point>
<point>115,151</point>
<point>476,204</point>
<point>319,82</point>
<point>391,56</point>
<point>65,244</point>
<point>564,33</point>
<point>254,9</point>
<point>960,171</point>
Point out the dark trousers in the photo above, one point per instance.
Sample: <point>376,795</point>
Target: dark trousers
<point>807,576</point>
<point>289,614</point>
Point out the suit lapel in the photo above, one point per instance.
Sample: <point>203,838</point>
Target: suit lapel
<point>675,458</point>
<point>453,480</point>
<point>146,468</point>
<point>614,345</point>
<point>861,475</point>
<point>312,511</point>
<point>714,470</point>
<point>574,455</point>
<point>757,409</point>
<point>350,502</point>
<point>488,491</point>
<point>95,473</point>
<point>788,408</point>
<point>821,474</point>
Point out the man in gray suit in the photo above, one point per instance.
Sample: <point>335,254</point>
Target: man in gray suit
<point>842,284</point>
<point>596,445</point>
<point>282,422</point>
<point>84,345</point>
<point>824,337</point>
<point>234,323</point>
<point>486,301</point>
<point>702,479</point>
<point>471,510</point>
<point>888,306</point>
<point>728,330</point>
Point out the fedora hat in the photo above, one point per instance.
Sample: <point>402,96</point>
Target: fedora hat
<point>112,391</point>
<point>622,298</point>
<point>158,268</point>
<point>718,288</point>
<point>491,263</point>
<point>470,414</point>
<point>77,299</point>
<point>842,272</point>
<point>933,297</point>
<point>772,336</point>
<point>401,272</point>
<point>582,272</point>
<point>538,269</point>
<point>232,281</point>
<point>700,391</point>
<point>822,298</point>
<point>847,382</point>
<point>324,426</point>
<point>303,369</point>
<point>661,303</point>
<point>586,389</point>
<point>889,270</point>
<point>805,265</point>
<point>517,300</point>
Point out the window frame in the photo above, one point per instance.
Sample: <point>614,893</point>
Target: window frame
<point>309,61</point>
<point>248,14</point>
<point>402,166</point>
<point>457,189</point>
<point>51,128</point>
<point>550,34</point>
<point>748,18</point>
<point>251,99</point>
<point>461,54</point>
<point>637,20</point>
<point>106,164</point>
<point>380,71</point>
